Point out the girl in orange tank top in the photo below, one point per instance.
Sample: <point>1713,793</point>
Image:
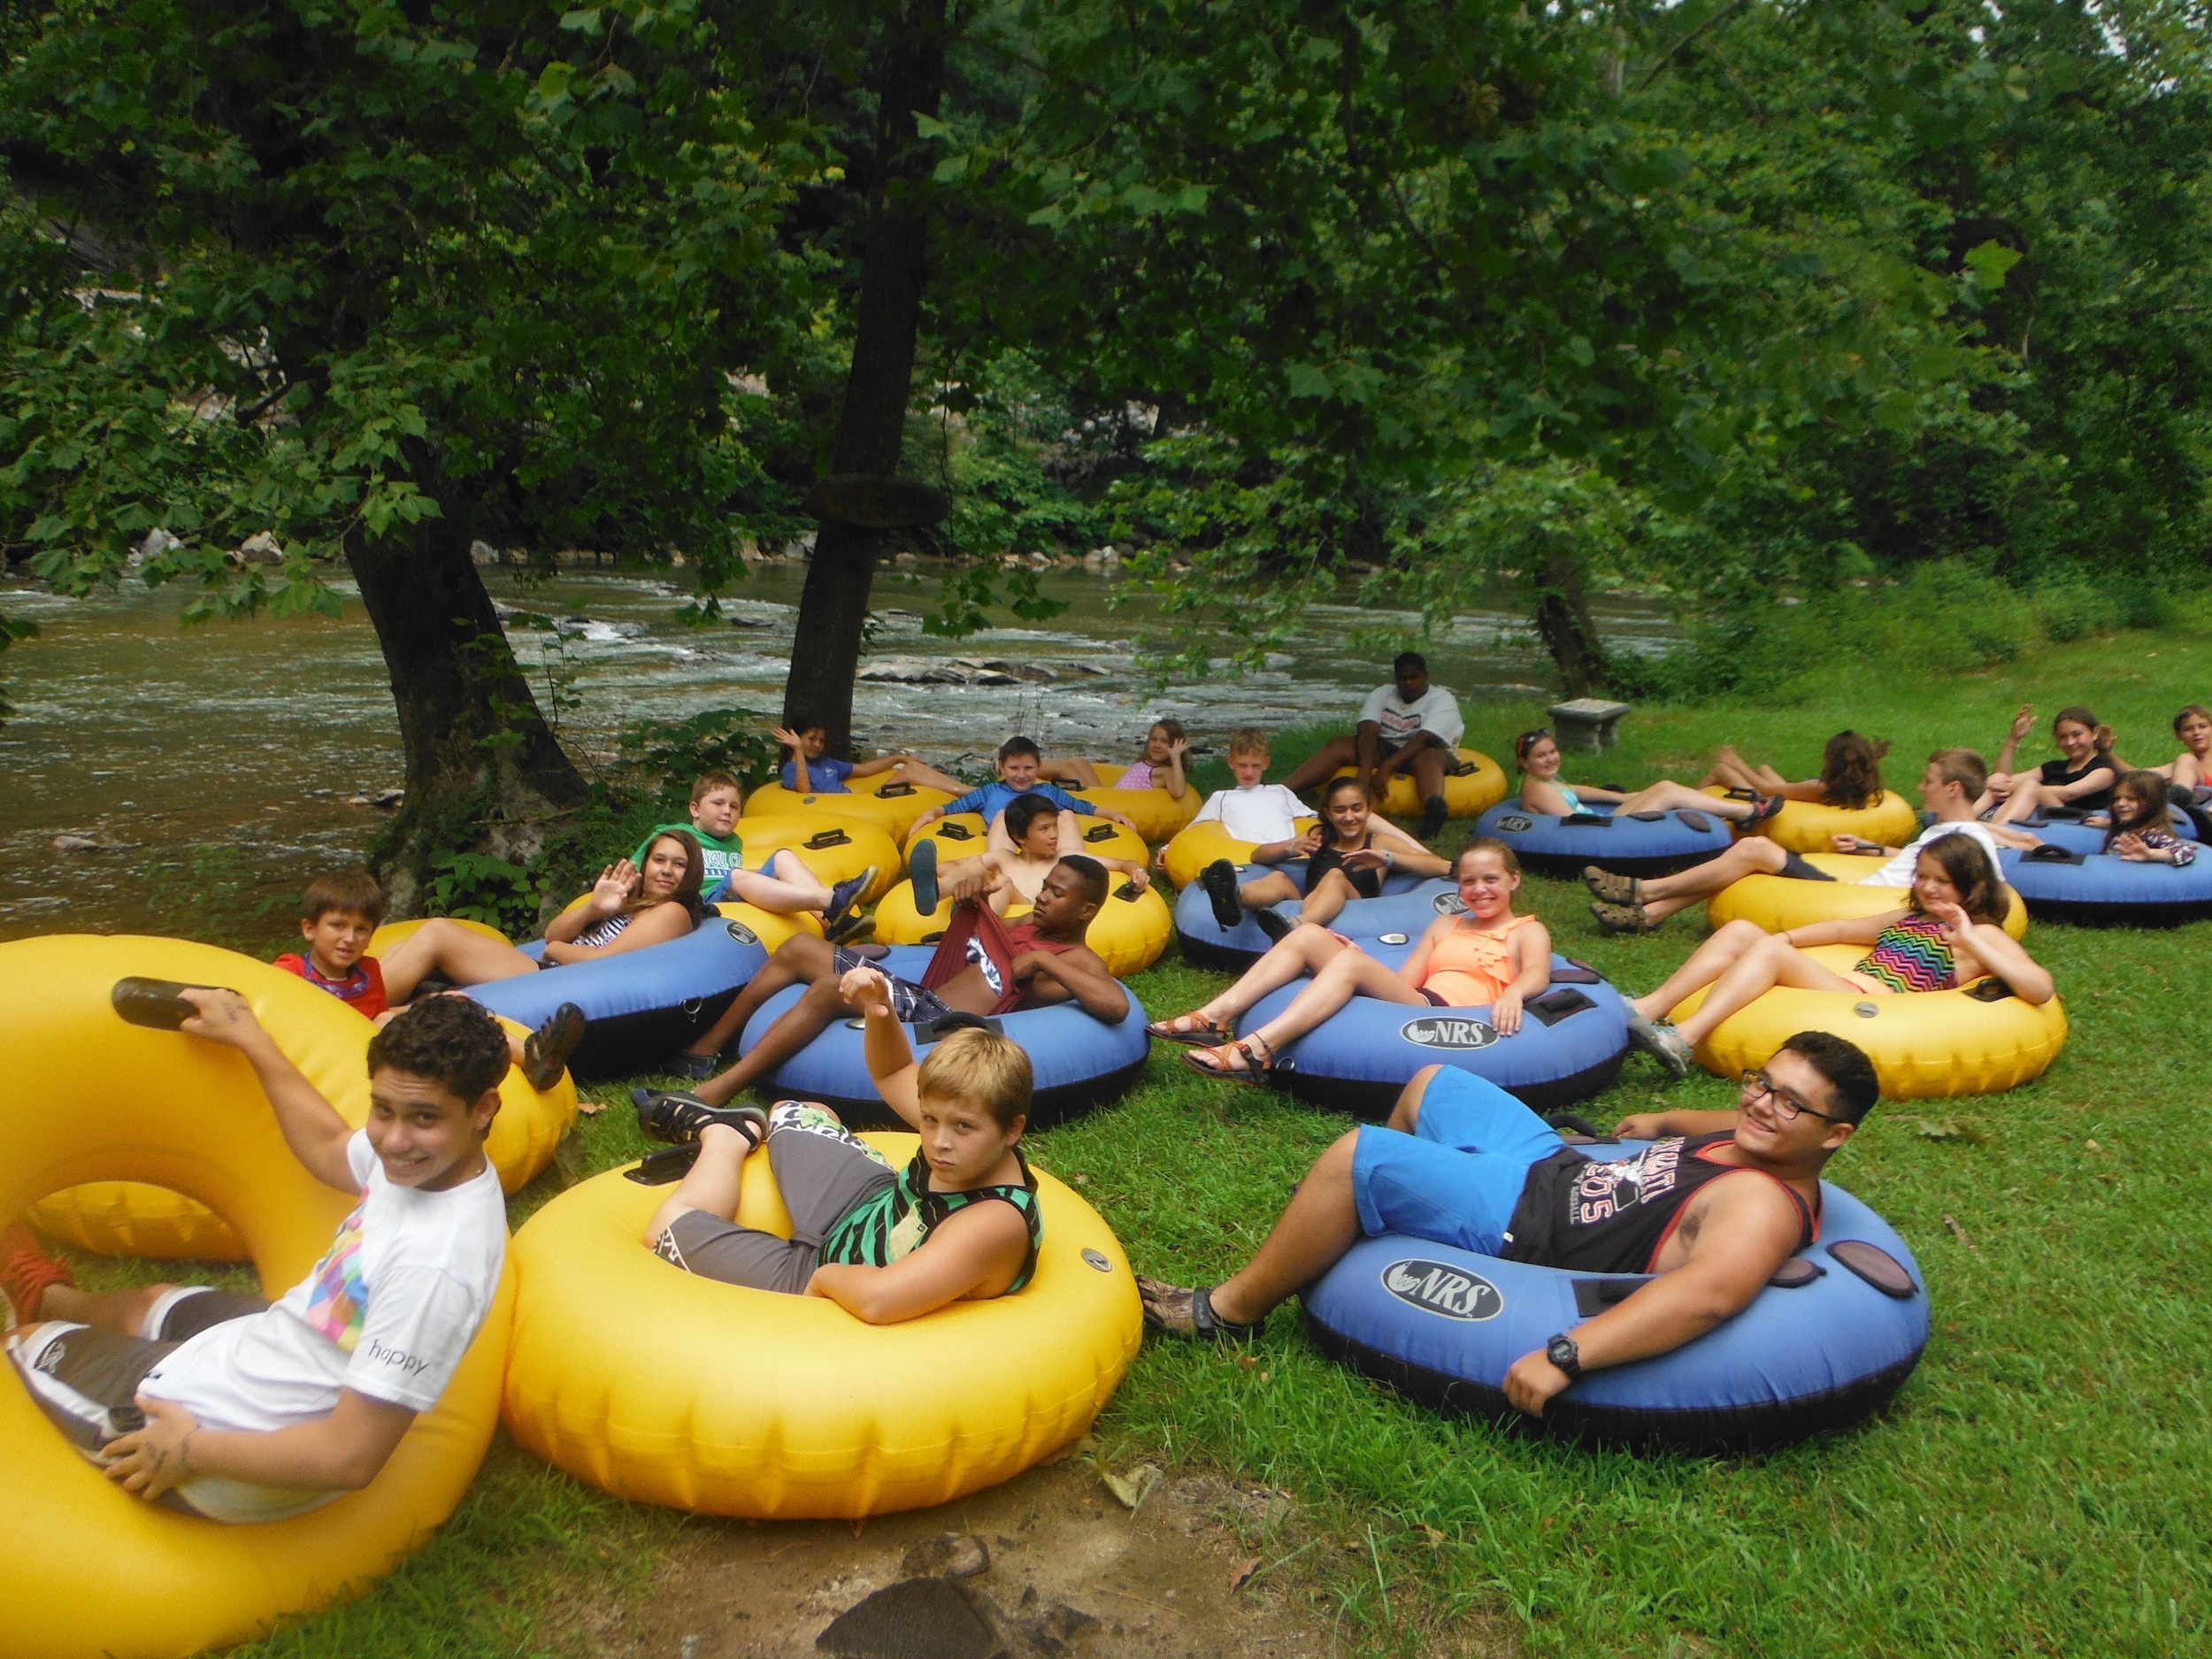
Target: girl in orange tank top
<point>1488,957</point>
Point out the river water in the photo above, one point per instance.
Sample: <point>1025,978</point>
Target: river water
<point>222,762</point>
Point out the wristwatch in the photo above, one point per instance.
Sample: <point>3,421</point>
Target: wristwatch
<point>1562,1351</point>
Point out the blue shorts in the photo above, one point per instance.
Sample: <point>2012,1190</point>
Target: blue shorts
<point>1457,1178</point>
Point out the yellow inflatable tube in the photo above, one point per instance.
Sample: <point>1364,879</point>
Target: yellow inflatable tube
<point>885,799</point>
<point>1470,795</point>
<point>651,1384</point>
<point>1195,848</point>
<point>133,1218</point>
<point>86,1569</point>
<point>1923,1043</point>
<point>1808,826</point>
<point>1130,934</point>
<point>834,850</point>
<point>1778,904</point>
<point>964,835</point>
<point>1156,814</point>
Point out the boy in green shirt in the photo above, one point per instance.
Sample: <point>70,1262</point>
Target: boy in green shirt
<point>784,886</point>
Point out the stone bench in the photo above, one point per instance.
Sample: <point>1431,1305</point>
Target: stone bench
<point>1588,722</point>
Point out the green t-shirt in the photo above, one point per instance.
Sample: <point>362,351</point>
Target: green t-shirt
<point>723,855</point>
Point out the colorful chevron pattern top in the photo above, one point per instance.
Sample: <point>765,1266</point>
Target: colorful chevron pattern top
<point>1912,955</point>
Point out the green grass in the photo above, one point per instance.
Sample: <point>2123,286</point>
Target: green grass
<point>2036,1488</point>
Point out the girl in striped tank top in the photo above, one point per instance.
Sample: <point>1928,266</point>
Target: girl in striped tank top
<point>1950,934</point>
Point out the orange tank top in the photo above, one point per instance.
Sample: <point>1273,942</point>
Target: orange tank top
<point>1468,967</point>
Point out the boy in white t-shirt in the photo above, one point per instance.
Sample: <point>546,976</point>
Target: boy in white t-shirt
<point>1266,814</point>
<point>1948,789</point>
<point>1407,726</point>
<point>227,1406</point>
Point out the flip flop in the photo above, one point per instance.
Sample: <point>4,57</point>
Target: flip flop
<point>921,865</point>
<point>1207,1035</point>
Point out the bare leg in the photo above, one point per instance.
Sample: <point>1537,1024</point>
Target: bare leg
<point>1753,855</point>
<point>1425,759</point>
<point>1328,900</point>
<point>800,960</point>
<point>1338,751</point>
<point>446,950</point>
<point>123,1310</point>
<point>806,1020</point>
<point>1711,959</point>
<point>785,886</point>
<point>714,1183</point>
<point>1274,888</point>
<point>2027,795</point>
<point>1667,796</point>
<point>1311,1236</point>
<point>1771,962</point>
<point>1305,951</point>
<point>1349,973</point>
<point>929,778</point>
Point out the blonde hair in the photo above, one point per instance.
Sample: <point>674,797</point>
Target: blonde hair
<point>981,1066</point>
<point>1247,740</point>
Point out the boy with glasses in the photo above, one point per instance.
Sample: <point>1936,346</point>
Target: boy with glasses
<point>1711,1208</point>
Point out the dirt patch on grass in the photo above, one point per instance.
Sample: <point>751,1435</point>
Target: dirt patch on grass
<point>1053,1563</point>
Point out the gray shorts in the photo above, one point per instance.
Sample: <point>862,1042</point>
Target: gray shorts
<point>822,1169</point>
<point>913,1004</point>
<point>1797,870</point>
<point>82,1377</point>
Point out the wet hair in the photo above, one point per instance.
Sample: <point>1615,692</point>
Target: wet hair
<point>2074,714</point>
<point>2147,788</point>
<point>453,1042</point>
<point>980,1065</point>
<point>1851,771</point>
<point>1964,767</point>
<point>1527,741</point>
<point>1173,728</point>
<point>707,782</point>
<point>1971,870</point>
<point>1091,873</point>
<point>353,890</point>
<point>1852,1085</point>
<point>1014,746</point>
<point>686,892</point>
<point>2190,710</point>
<point>1247,739</point>
<point>1024,811</point>
<point>1410,663</point>
<point>1488,844</point>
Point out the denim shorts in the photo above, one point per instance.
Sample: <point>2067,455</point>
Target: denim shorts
<point>1457,1177</point>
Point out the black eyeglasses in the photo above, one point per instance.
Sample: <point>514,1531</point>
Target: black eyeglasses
<point>1786,1107</point>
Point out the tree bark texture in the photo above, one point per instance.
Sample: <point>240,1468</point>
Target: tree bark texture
<point>483,768</point>
<point>1562,619</point>
<point>893,268</point>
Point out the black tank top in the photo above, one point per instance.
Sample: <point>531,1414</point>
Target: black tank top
<point>1592,1218</point>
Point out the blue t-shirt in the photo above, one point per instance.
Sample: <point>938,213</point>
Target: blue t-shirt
<point>991,799</point>
<point>827,775</point>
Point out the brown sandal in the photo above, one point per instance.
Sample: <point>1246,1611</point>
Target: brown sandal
<point>1257,1069</point>
<point>1206,1035</point>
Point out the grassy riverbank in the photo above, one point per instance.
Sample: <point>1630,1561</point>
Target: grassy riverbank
<point>2037,1487</point>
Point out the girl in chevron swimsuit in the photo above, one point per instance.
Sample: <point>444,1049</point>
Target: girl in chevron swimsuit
<point>1950,934</point>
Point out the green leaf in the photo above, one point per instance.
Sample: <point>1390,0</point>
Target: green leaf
<point>1990,261</point>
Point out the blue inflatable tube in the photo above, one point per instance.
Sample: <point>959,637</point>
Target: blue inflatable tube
<point>2077,837</point>
<point>1634,844</point>
<point>1829,1340</point>
<point>643,1006</point>
<point>1403,908</point>
<point>2100,890</point>
<point>1570,1045</point>
<point>1079,1062</point>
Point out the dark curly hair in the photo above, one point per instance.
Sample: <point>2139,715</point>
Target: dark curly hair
<point>454,1043</point>
<point>1851,771</point>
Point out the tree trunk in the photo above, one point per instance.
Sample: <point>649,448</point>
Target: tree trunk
<point>483,770</point>
<point>833,608</point>
<point>1563,617</point>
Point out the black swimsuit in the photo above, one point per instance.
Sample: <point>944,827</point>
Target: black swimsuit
<point>1366,883</point>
